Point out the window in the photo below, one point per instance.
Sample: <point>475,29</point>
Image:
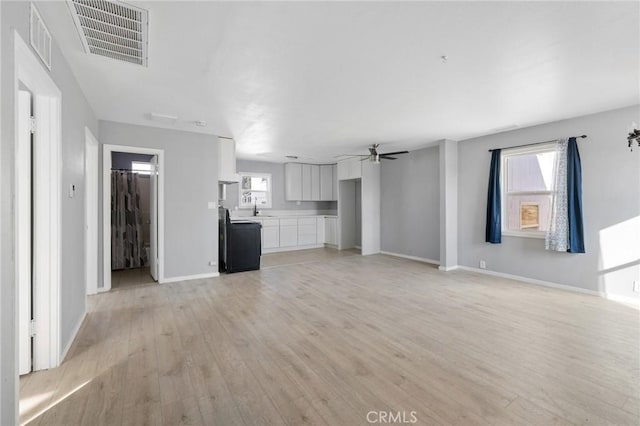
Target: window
<point>527,190</point>
<point>141,168</point>
<point>255,190</point>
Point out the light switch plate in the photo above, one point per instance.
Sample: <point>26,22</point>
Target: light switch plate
<point>211,205</point>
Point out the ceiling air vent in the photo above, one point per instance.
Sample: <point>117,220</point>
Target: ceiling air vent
<point>112,29</point>
<point>40,37</point>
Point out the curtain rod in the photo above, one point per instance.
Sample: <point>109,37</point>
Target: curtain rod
<point>536,143</point>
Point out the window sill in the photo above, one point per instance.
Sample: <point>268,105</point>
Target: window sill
<point>538,236</point>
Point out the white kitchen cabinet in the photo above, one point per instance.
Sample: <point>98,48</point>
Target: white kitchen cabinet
<point>315,182</point>
<point>306,182</point>
<point>307,230</point>
<point>334,192</point>
<point>293,181</point>
<point>326,182</point>
<point>288,232</point>
<point>320,230</point>
<point>310,182</point>
<point>331,230</point>
<point>270,233</point>
<point>227,161</point>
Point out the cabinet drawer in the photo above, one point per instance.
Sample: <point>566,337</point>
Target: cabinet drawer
<point>307,221</point>
<point>288,222</point>
<point>268,223</point>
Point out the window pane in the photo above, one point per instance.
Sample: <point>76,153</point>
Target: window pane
<point>259,183</point>
<point>531,172</point>
<point>141,168</point>
<point>528,212</point>
<point>251,198</point>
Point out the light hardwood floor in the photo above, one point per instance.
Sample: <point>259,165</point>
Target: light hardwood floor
<point>324,337</point>
<point>126,278</point>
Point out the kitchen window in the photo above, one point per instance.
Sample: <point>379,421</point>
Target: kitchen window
<point>527,190</point>
<point>255,190</point>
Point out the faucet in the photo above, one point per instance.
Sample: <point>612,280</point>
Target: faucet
<point>255,209</point>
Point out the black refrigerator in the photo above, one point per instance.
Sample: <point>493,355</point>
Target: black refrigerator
<point>239,245</point>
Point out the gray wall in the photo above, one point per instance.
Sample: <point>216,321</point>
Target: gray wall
<point>191,174</point>
<point>410,205</point>
<point>278,201</point>
<point>611,202</point>
<point>76,114</point>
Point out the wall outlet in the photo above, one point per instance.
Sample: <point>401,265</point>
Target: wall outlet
<point>636,286</point>
<point>483,264</point>
<point>213,263</point>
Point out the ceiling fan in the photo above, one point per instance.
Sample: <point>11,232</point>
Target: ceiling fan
<point>374,156</point>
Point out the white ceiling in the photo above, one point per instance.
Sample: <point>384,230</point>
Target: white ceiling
<point>328,78</point>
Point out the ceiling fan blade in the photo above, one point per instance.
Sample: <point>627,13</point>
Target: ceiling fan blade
<point>384,157</point>
<point>395,153</point>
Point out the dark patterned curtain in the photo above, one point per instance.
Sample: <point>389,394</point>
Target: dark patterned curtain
<point>127,246</point>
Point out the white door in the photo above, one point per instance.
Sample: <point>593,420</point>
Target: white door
<point>24,227</point>
<point>91,211</point>
<point>153,213</point>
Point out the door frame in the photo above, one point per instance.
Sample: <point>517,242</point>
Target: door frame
<point>106,208</point>
<point>47,218</point>
<point>91,208</point>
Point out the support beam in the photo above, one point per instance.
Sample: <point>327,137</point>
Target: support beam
<point>448,205</point>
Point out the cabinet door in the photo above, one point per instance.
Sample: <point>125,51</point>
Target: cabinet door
<point>306,182</point>
<point>330,230</point>
<point>326,182</point>
<point>315,182</point>
<point>307,228</point>
<point>320,231</point>
<point>288,236</point>
<point>270,237</point>
<point>334,192</point>
<point>293,181</point>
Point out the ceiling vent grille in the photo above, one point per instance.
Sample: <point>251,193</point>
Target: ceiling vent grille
<point>112,29</point>
<point>40,37</point>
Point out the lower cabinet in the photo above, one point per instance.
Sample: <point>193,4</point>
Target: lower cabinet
<point>270,237</point>
<point>307,231</point>
<point>331,230</point>
<point>288,232</point>
<point>293,232</point>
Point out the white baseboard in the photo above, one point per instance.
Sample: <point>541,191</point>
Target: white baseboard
<point>448,268</point>
<point>609,296</point>
<point>292,248</point>
<point>74,333</point>
<point>416,258</point>
<point>189,277</point>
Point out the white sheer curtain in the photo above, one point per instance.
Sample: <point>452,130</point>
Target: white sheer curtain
<point>557,238</point>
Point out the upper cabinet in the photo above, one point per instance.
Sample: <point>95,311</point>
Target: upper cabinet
<point>227,161</point>
<point>293,181</point>
<point>310,182</point>
<point>326,182</point>
<point>350,169</point>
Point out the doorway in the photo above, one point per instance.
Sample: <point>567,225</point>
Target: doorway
<point>131,220</point>
<point>37,198</point>
<point>133,208</point>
